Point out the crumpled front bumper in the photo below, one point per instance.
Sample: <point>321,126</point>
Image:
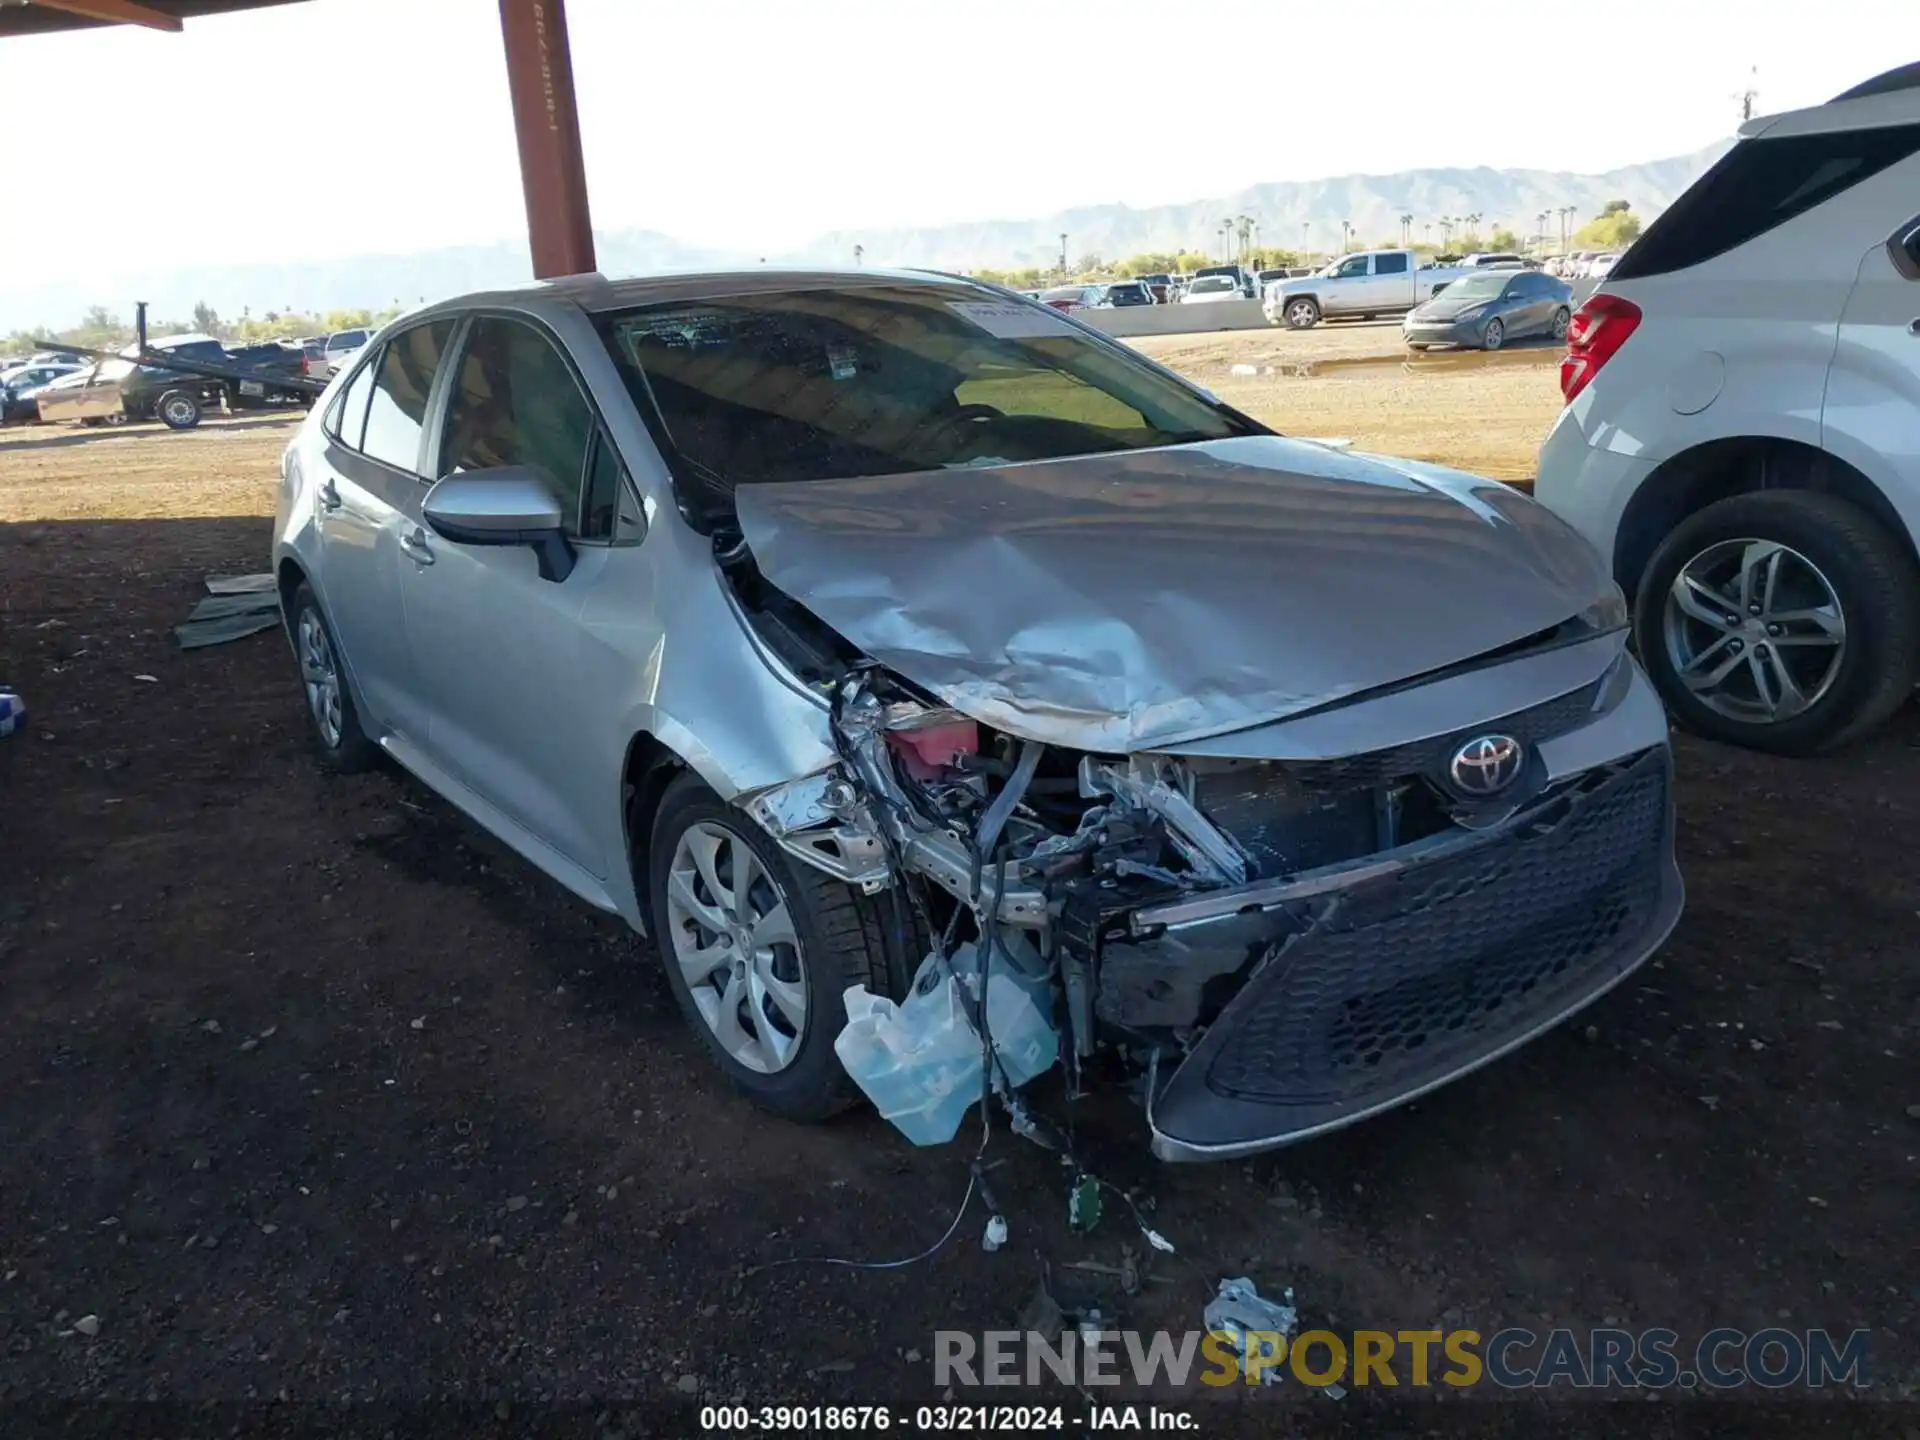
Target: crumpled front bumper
<point>1412,975</point>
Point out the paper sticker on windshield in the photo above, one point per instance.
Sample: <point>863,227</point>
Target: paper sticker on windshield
<point>1010,320</point>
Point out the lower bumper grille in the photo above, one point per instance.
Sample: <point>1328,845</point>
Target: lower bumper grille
<point>1400,984</point>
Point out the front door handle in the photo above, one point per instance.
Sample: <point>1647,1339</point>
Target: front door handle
<point>329,496</point>
<point>414,542</point>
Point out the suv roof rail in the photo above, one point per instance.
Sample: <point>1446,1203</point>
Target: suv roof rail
<point>1901,77</point>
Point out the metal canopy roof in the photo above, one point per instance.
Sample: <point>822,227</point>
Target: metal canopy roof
<point>40,17</point>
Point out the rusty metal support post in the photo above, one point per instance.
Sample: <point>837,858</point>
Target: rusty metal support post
<point>552,172</point>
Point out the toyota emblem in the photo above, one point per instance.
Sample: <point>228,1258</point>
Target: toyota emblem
<point>1486,764</point>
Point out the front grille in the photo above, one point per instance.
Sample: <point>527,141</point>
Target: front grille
<point>1429,757</point>
<point>1408,980</point>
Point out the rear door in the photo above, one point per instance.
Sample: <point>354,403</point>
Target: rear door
<point>1873,391</point>
<point>369,503</point>
<point>504,656</point>
<point>1392,283</point>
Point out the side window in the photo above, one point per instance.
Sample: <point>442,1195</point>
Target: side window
<point>606,483</point>
<point>1757,185</point>
<point>1389,264</point>
<point>350,411</point>
<point>1351,268</point>
<point>515,402</point>
<point>397,410</point>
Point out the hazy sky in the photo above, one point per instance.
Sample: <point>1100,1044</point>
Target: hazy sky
<point>755,124</point>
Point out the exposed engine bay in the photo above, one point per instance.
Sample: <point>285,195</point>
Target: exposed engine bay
<point>1279,946</point>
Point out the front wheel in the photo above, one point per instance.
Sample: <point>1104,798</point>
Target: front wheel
<point>343,747</point>
<point>760,951</point>
<point>1494,336</point>
<point>1302,314</point>
<point>1785,620</point>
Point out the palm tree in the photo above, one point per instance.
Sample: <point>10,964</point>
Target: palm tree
<point>1406,230</point>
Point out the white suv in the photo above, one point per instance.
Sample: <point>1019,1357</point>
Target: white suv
<point>1741,438</point>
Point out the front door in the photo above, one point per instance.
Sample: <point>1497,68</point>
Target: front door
<point>510,669</point>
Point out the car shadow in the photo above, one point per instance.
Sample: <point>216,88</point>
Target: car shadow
<point>11,439</point>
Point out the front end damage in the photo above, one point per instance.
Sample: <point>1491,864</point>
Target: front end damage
<point>1281,946</point>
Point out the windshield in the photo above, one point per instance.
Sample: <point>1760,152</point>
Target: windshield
<point>888,379</point>
<point>1476,287</point>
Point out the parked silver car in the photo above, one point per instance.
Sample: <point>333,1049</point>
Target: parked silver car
<point>800,618</point>
<point>1487,309</point>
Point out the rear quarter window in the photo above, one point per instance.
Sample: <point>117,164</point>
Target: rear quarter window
<point>1757,186</point>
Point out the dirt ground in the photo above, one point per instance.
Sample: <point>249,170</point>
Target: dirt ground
<point>309,1091</point>
<point>1485,413</point>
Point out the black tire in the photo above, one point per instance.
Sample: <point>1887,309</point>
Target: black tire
<point>845,939</point>
<point>178,409</point>
<point>349,751</point>
<point>1562,321</point>
<point>1301,313</point>
<point>1495,335</point>
<point>1873,578</point>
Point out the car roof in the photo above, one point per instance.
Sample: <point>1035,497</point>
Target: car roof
<point>1891,98</point>
<point>597,293</point>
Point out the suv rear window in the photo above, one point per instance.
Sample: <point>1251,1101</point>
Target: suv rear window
<point>1758,185</point>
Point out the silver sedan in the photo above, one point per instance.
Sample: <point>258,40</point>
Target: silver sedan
<point>876,642</point>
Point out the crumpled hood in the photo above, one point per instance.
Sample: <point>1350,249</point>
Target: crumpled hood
<point>1132,601</point>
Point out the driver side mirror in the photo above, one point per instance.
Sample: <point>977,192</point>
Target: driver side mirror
<point>505,505</point>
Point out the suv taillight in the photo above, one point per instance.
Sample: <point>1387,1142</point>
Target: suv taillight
<point>1600,327</point>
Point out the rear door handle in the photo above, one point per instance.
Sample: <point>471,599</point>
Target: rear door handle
<point>330,496</point>
<point>414,542</point>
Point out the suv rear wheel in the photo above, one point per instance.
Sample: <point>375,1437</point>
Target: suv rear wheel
<point>760,950</point>
<point>1785,621</point>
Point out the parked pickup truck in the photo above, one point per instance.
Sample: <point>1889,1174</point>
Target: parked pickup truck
<point>1369,283</point>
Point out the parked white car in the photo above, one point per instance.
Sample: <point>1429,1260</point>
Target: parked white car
<point>342,346</point>
<point>1741,439</point>
<point>1210,288</point>
<point>1599,267</point>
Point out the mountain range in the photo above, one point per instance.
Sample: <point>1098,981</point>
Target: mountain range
<point>1289,213</point>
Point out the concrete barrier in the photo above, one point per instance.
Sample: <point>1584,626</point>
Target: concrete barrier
<point>1131,320</point>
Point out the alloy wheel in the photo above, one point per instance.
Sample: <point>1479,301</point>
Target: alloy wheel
<point>179,411</point>
<point>1562,322</point>
<point>1496,335</point>
<point>1754,630</point>
<point>1301,313</point>
<point>733,938</point>
<point>321,675</point>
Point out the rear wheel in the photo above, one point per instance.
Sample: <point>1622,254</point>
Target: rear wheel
<point>1302,314</point>
<point>178,409</point>
<point>1786,621</point>
<point>1562,320</point>
<point>760,950</point>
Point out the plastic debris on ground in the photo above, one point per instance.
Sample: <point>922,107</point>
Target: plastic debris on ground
<point>996,1235</point>
<point>235,606</point>
<point>1083,1204</point>
<point>13,711</point>
<point>919,1061</point>
<point>1238,1311</point>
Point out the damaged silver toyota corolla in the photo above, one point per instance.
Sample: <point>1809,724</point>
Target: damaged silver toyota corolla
<point>958,695</point>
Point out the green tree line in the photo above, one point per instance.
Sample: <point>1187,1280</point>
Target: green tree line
<point>104,329</point>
